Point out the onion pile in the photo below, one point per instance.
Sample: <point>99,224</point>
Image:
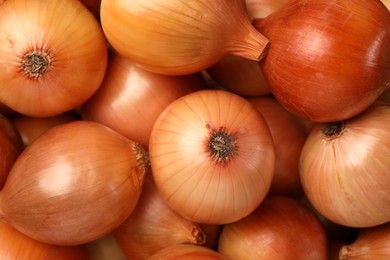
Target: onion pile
<point>195,129</point>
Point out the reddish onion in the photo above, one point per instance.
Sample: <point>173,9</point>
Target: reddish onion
<point>280,228</point>
<point>15,245</point>
<point>288,135</point>
<point>344,168</point>
<point>75,183</point>
<point>212,156</point>
<point>120,103</point>
<point>329,60</point>
<point>49,62</point>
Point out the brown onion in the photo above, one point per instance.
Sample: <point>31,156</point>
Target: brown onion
<point>30,128</point>
<point>153,225</point>
<point>345,166</point>
<point>15,245</point>
<point>212,156</point>
<point>131,98</point>
<point>10,148</point>
<point>328,60</point>
<point>194,252</point>
<point>75,183</point>
<point>53,56</point>
<point>280,228</point>
<point>371,243</point>
<point>288,135</point>
<point>180,36</point>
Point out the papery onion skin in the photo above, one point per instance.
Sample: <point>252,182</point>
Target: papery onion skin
<point>280,228</point>
<point>187,252</point>
<point>345,176</point>
<point>53,56</point>
<point>15,245</point>
<point>371,243</point>
<point>131,98</point>
<point>75,183</point>
<point>193,178</point>
<point>329,60</point>
<point>179,36</point>
<point>153,225</point>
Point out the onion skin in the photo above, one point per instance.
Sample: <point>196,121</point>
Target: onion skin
<point>371,243</point>
<point>120,103</point>
<point>345,175</point>
<point>76,182</point>
<point>262,8</point>
<point>200,181</point>
<point>15,245</point>
<point>10,148</point>
<point>329,60</point>
<point>68,47</point>
<point>280,228</point>
<point>180,36</point>
<point>187,252</point>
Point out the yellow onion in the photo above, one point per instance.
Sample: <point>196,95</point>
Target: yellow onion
<point>53,56</point>
<point>345,166</point>
<point>75,183</point>
<point>371,243</point>
<point>328,60</point>
<point>180,36</point>
<point>212,156</point>
<point>153,225</point>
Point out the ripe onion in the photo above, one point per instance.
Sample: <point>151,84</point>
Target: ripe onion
<point>10,148</point>
<point>15,245</point>
<point>345,166</point>
<point>194,252</point>
<point>328,60</point>
<point>280,228</point>
<point>179,37</point>
<point>120,102</point>
<point>212,156</point>
<point>30,128</point>
<point>153,226</point>
<point>371,243</point>
<point>288,135</point>
<point>75,183</point>
<point>53,56</point>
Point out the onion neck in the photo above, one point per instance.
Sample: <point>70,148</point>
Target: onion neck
<point>199,235</point>
<point>221,145</point>
<point>333,130</point>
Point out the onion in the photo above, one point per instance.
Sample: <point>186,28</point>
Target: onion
<point>280,228</point>
<point>180,36</point>
<point>262,8</point>
<point>288,135</point>
<point>15,245</point>
<point>212,156</point>
<point>195,252</point>
<point>120,102</point>
<point>49,62</point>
<point>153,226</point>
<point>75,183</point>
<point>328,60</point>
<point>10,148</point>
<point>344,168</point>
<point>30,128</point>
<point>371,243</point>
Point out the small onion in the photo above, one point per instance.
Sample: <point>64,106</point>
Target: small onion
<point>280,228</point>
<point>153,226</point>
<point>194,252</point>
<point>371,243</point>
<point>15,245</point>
<point>53,56</point>
<point>75,183</point>
<point>212,156</point>
<point>120,102</point>
<point>180,36</point>
<point>345,166</point>
<point>328,60</point>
